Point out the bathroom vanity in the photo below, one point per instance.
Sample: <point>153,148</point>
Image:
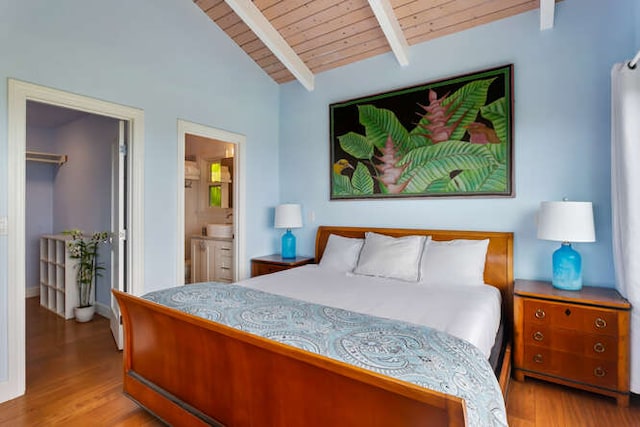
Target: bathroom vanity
<point>211,259</point>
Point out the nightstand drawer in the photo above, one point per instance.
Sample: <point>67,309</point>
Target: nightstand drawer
<point>603,347</point>
<point>601,373</point>
<point>571,316</point>
<point>269,268</point>
<point>274,263</point>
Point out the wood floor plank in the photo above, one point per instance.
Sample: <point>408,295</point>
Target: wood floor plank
<point>524,407</point>
<point>74,378</point>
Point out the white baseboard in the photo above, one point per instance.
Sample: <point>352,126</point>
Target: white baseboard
<point>32,292</point>
<point>103,310</point>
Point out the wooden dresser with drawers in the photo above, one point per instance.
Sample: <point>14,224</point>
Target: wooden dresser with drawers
<point>576,338</point>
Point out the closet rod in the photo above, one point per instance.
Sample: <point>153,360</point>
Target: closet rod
<point>632,64</point>
<point>36,156</point>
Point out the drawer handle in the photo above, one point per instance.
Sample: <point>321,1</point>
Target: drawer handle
<point>598,347</point>
<point>538,336</point>
<point>538,358</point>
<point>599,372</point>
<point>224,268</point>
<point>600,323</point>
<point>540,314</point>
<point>225,249</point>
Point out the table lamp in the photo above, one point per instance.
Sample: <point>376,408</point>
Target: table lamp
<point>288,216</point>
<point>566,222</point>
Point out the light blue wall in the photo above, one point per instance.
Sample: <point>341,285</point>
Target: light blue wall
<point>637,26</point>
<point>561,129</point>
<point>165,57</point>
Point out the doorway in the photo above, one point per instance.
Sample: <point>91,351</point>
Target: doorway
<point>230,143</point>
<point>69,187</point>
<point>208,210</point>
<point>19,94</point>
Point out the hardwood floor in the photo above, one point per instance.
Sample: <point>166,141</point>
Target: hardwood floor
<point>537,403</point>
<point>74,378</point>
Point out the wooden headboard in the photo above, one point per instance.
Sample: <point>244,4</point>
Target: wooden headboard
<point>498,270</point>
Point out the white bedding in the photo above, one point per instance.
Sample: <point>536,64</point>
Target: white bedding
<point>469,312</point>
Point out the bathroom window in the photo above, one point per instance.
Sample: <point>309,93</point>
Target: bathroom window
<point>215,187</point>
<point>219,183</point>
<point>215,196</point>
<point>214,172</point>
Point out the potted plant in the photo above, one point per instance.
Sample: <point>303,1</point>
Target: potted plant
<point>85,249</point>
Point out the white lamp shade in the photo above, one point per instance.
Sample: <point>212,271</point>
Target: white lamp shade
<point>288,216</point>
<point>566,222</point>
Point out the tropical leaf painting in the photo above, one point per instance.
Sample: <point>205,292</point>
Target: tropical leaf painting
<point>447,138</point>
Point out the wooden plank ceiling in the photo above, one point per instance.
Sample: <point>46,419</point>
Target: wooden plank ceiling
<point>326,34</point>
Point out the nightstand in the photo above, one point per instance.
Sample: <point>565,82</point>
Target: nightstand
<point>273,263</point>
<point>575,338</point>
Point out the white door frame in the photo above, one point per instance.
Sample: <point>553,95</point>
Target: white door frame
<point>18,94</point>
<point>239,193</point>
<point>119,201</point>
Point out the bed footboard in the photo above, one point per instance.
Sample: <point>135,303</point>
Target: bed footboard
<point>191,371</point>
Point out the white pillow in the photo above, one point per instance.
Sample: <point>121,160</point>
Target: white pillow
<point>454,262</point>
<point>341,253</point>
<point>392,257</point>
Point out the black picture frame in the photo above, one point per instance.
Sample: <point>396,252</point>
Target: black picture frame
<point>448,138</point>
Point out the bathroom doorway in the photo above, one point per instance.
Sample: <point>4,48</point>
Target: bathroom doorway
<point>211,201</point>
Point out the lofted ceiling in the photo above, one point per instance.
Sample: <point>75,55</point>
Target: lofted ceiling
<point>292,39</point>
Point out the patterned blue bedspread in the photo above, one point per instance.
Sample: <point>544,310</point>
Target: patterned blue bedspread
<point>416,354</point>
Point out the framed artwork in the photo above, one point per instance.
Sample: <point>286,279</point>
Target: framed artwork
<point>449,138</point>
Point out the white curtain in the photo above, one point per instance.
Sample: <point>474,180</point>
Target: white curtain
<point>625,197</point>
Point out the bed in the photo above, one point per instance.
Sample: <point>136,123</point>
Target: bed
<point>240,378</point>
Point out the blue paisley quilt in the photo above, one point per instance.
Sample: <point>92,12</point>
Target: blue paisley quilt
<point>411,353</point>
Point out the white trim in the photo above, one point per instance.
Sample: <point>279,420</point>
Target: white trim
<point>388,21</point>
<point>262,28</point>
<point>32,291</point>
<point>17,114</point>
<point>19,93</point>
<point>547,12</point>
<point>239,193</point>
<point>103,310</point>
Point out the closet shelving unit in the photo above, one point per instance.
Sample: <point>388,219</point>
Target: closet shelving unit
<point>58,289</point>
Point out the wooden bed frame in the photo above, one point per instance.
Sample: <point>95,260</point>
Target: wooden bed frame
<point>191,371</point>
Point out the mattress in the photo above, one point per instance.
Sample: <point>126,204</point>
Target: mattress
<point>469,312</point>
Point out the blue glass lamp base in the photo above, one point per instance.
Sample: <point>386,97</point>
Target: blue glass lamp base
<point>567,269</point>
<point>288,245</point>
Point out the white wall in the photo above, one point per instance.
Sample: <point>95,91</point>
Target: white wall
<point>166,58</point>
<point>561,129</point>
